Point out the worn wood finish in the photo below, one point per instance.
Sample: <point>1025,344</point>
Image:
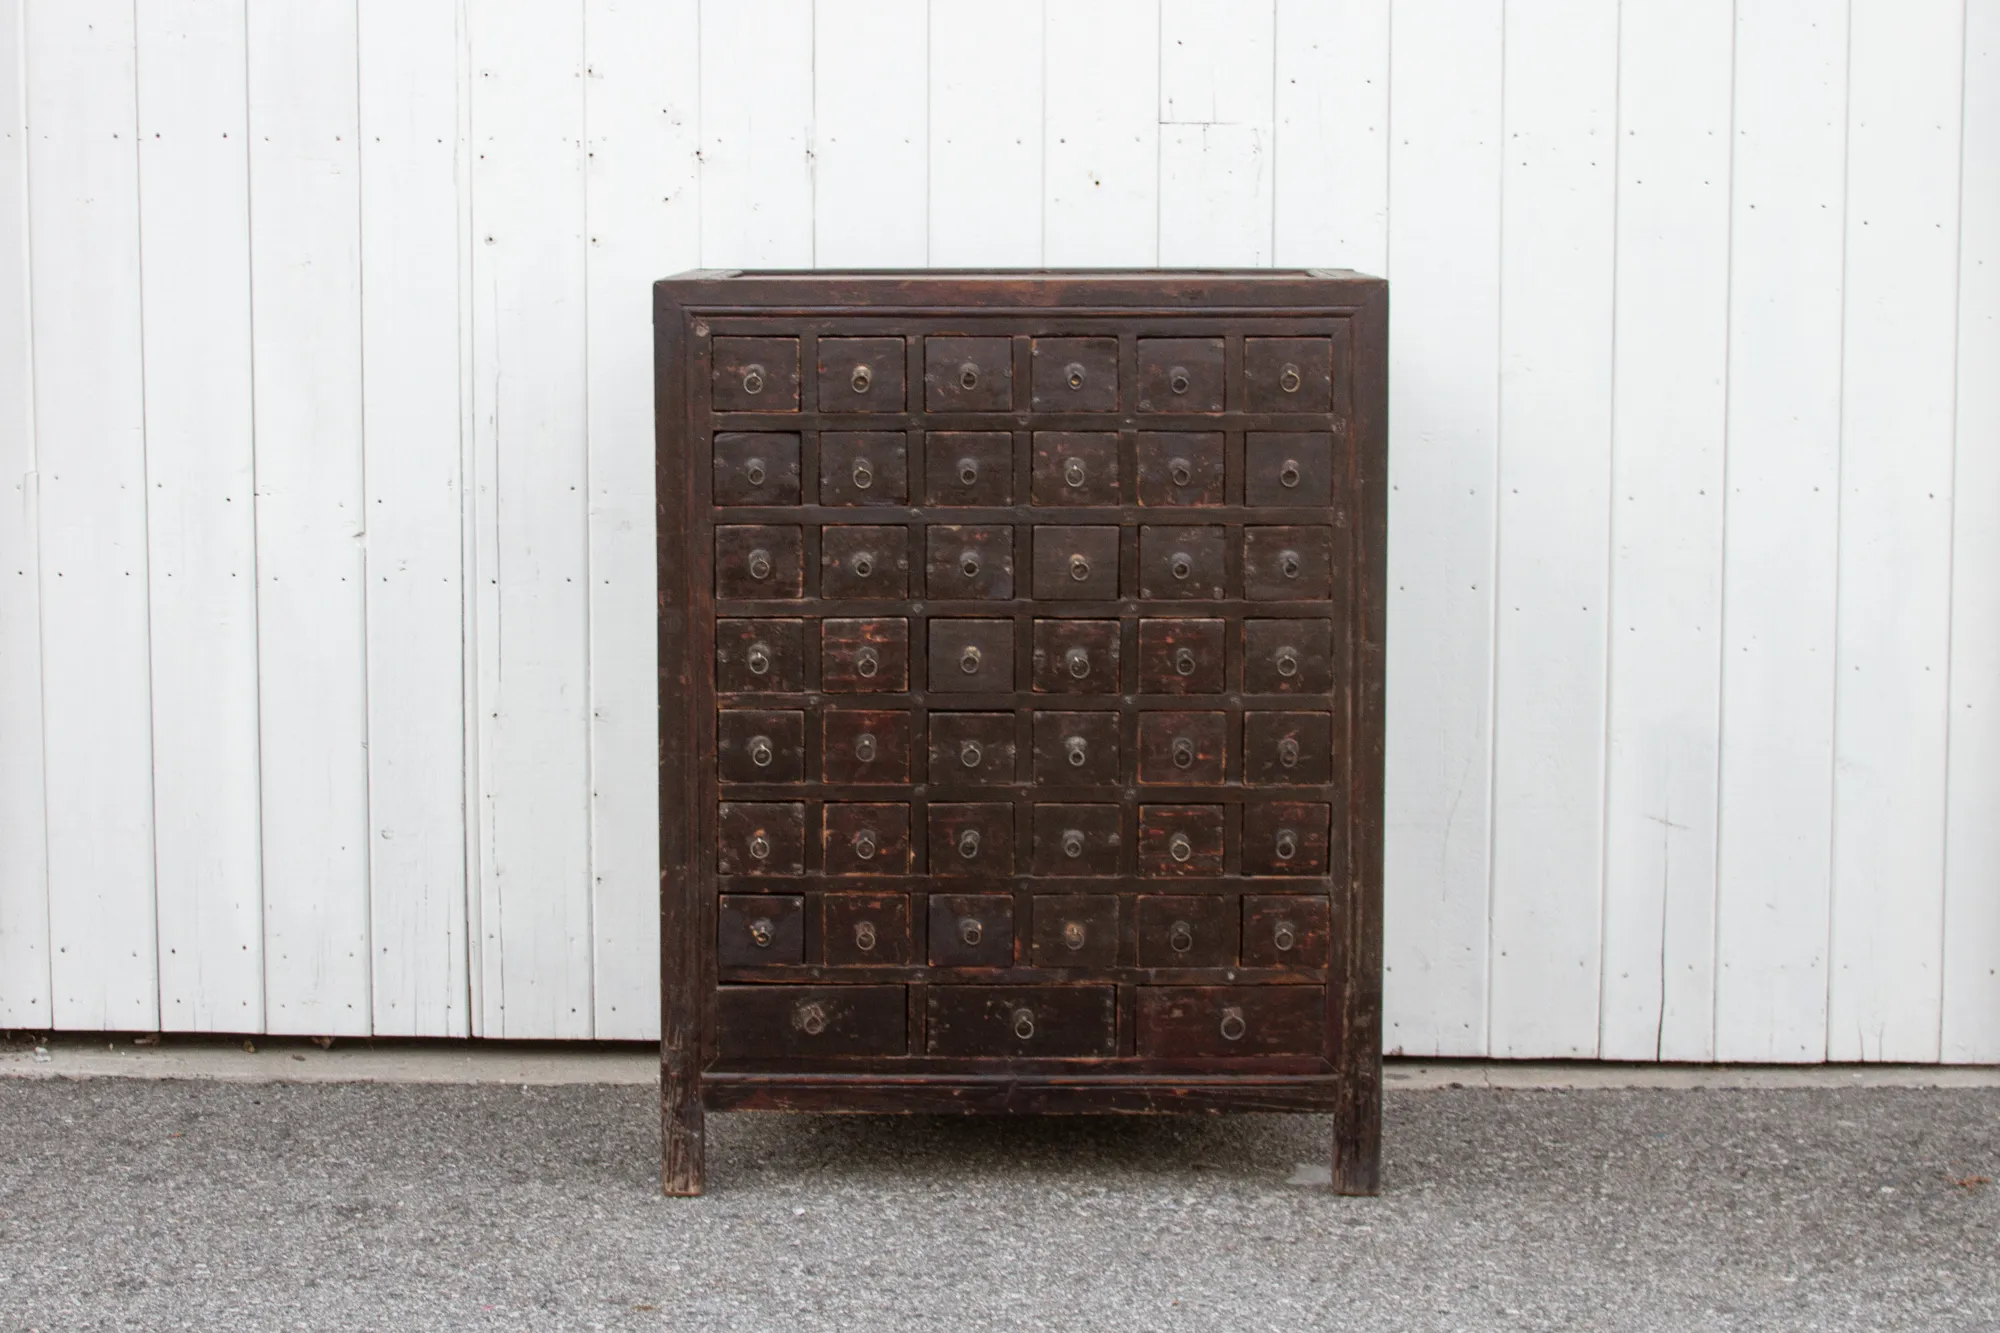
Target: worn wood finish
<point>1021,800</point>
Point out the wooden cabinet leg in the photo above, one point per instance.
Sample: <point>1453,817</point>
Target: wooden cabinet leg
<point>681,1135</point>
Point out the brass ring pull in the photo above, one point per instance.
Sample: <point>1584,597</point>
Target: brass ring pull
<point>1233,1027</point>
<point>811,1019</point>
<point>1181,471</point>
<point>1180,937</point>
<point>1180,848</point>
<point>1183,752</point>
<point>754,471</point>
<point>1178,379</point>
<point>760,565</point>
<point>1288,844</point>
<point>1288,662</point>
<point>760,848</point>
<point>1024,1024</point>
<point>1288,476</point>
<point>968,661</point>
<point>1079,568</point>
<point>1288,752</point>
<point>866,662</point>
<point>968,844</point>
<point>1288,563</point>
<point>758,659</point>
<point>863,564</point>
<point>864,477</point>
<point>1073,935</point>
<point>1072,843</point>
<point>970,931</point>
<point>760,751</point>
<point>1282,936</point>
<point>968,472</point>
<point>753,379</point>
<point>861,379</point>
<point>1073,375</point>
<point>968,564</point>
<point>864,936</point>
<point>761,933</point>
<point>1289,379</point>
<point>1077,751</point>
<point>1073,474</point>
<point>864,747</point>
<point>971,754</point>
<point>1181,565</point>
<point>968,376</point>
<point>864,844</point>
<point>1078,662</point>
<point>1184,662</point>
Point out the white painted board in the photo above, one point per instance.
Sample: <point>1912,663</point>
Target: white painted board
<point>1101,134</point>
<point>871,133</point>
<point>1330,186</point>
<point>1216,132</point>
<point>757,134</point>
<point>985,116</point>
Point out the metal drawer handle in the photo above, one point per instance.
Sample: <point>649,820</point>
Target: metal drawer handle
<point>1183,752</point>
<point>758,659</point>
<point>1288,752</point>
<point>1073,375</point>
<point>968,564</point>
<point>1288,844</point>
<point>1288,476</point>
<point>970,931</point>
<point>1073,472</point>
<point>1178,380</point>
<point>1024,1024</point>
<point>968,472</point>
<point>760,848</point>
<point>1072,843</point>
<point>864,936</point>
<point>1078,662</point>
<point>1079,568</point>
<point>761,933</point>
<point>753,379</point>
<point>754,470</point>
<point>1181,565</point>
<point>1288,662</point>
<point>864,564</point>
<point>1179,847</point>
<point>864,476</point>
<point>968,844</point>
<point>1184,662</point>
<point>1077,751</point>
<point>1288,378</point>
<point>1180,937</point>
<point>866,663</point>
<point>861,379</point>
<point>811,1019</point>
<point>971,754</point>
<point>1181,471</point>
<point>864,747</point>
<point>1288,563</point>
<point>1282,936</point>
<point>760,751</point>
<point>1233,1027</point>
<point>760,564</point>
<point>1073,933</point>
<point>968,376</point>
<point>864,844</point>
<point>968,661</point>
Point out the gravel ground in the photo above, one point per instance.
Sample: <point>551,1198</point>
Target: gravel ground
<point>213,1206</point>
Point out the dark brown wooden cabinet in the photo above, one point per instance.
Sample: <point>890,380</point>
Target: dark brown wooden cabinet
<point>1021,695</point>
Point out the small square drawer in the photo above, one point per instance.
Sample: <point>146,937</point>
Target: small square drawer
<point>866,929</point>
<point>864,745</point>
<point>969,562</point>
<point>1073,748</point>
<point>1075,374</point>
<point>1187,930</point>
<point>1288,374</point>
<point>1180,840</point>
<point>753,560</point>
<point>1075,467</point>
<point>968,374</point>
<point>972,657</point>
<point>1076,930</point>
<point>758,745</point>
<point>1185,749</point>
<point>1287,656</point>
<point>1076,564</point>
<point>861,375</point>
<point>756,469</point>
<point>1288,468</point>
<point>1287,564</point>
<point>759,656</point>
<point>760,838</point>
<point>1021,1022</point>
<point>969,467</point>
<point>1195,1022</point>
<point>1187,564</point>
<point>1180,374</point>
<point>971,749</point>
<point>863,467</point>
<point>1286,838</point>
<point>1181,657</point>
<point>809,1022</point>
<point>1077,840</point>
<point>865,656</point>
<point>1287,748</point>
<point>1286,930</point>
<point>760,929</point>
<point>867,839</point>
<point>971,838</point>
<point>754,374</point>
<point>971,930</point>
<point>1076,656</point>
<point>1180,467</point>
<point>864,561</point>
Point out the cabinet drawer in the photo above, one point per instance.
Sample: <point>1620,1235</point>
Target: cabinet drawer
<point>789,1022</point>
<point>753,656</point>
<point>969,562</point>
<point>864,745</point>
<point>1076,748</point>
<point>864,929</point>
<point>1077,840</point>
<point>1288,374</point>
<point>971,930</point>
<point>971,749</point>
<point>1076,656</point>
<point>1286,930</point>
<point>1288,564</point>
<point>867,839</point>
<point>1075,467</point>
<point>865,656</point>
<point>757,929</point>
<point>1076,930</point>
<point>758,745</point>
<point>861,374</point>
<point>969,467</point>
<point>1074,374</point>
<point>761,838</point>
<point>756,469</point>
<point>864,467</point>
<point>1180,468</point>
<point>752,560</point>
<point>1181,657</point>
<point>1181,1022</point>
<point>1185,564</point>
<point>1180,840</point>
<point>1186,930</point>
<point>971,838</point>
<point>968,374</point>
<point>1286,838</point>
<point>1183,749</point>
<point>1287,656</point>
<point>864,560</point>
<point>1288,468</point>
<point>1076,564</point>
<point>1180,375</point>
<point>754,374</point>
<point>1025,1022</point>
<point>972,657</point>
<point>1287,748</point>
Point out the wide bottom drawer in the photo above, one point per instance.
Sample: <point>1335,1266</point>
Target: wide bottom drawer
<point>1182,1021</point>
<point>1024,1022</point>
<point>792,1021</point>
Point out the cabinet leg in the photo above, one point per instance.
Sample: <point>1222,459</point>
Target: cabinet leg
<point>1357,1139</point>
<point>681,1135</point>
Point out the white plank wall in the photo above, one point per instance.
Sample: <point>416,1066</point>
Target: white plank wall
<point>326,542</point>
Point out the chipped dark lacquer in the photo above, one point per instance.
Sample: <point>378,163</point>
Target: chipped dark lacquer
<point>1021,696</point>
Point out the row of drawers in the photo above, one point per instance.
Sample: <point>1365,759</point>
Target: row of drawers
<point>977,838</point>
<point>1064,930</point>
<point>975,562</point>
<point>1019,1022</point>
<point>976,374</point>
<point>976,468</point>
<point>976,655</point>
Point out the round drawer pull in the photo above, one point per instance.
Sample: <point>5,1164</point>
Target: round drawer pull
<point>761,752</point>
<point>1184,662</point>
<point>1179,847</point>
<point>968,564</point>
<point>864,747</point>
<point>1288,752</point>
<point>972,754</point>
<point>811,1019</point>
<point>1283,937</point>
<point>970,932</point>
<point>1288,476</point>
<point>968,472</point>
<point>758,659</point>
<point>1178,380</point>
<point>1073,933</point>
<point>1077,751</point>
<point>753,380</point>
<point>1233,1027</point>
<point>864,844</point>
<point>867,662</point>
<point>760,564</point>
<point>1073,474</point>
<point>753,471</point>
<point>1288,662</point>
<point>861,379</point>
<point>968,376</point>
<point>1289,379</point>
<point>1180,937</point>
<point>1288,563</point>
<point>760,848</point>
<point>864,936</point>
<point>1181,565</point>
<point>1078,663</point>
<point>1181,471</point>
<point>1024,1024</point>
<point>1079,568</point>
<point>863,564</point>
<point>968,661</point>
<point>1073,375</point>
<point>1072,843</point>
<point>864,476</point>
<point>1288,844</point>
<point>1183,752</point>
<point>968,844</point>
<point>761,932</point>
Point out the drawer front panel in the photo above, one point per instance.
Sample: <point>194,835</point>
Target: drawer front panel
<point>1182,1022</point>
<point>1022,1022</point>
<point>972,930</point>
<point>866,929</point>
<point>794,1022</point>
